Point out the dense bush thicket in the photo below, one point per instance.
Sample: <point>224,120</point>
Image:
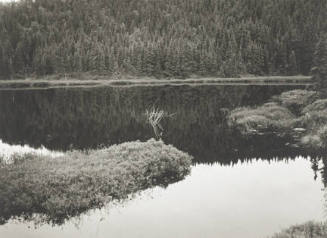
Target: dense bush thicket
<point>270,117</point>
<point>160,38</point>
<point>299,116</point>
<point>77,181</point>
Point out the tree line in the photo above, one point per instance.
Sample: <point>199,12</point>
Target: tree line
<point>160,38</point>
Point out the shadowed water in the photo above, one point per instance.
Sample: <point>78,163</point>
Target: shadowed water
<point>230,193</point>
<point>89,117</point>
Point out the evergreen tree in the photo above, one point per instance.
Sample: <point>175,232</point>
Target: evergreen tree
<point>319,70</point>
<point>173,38</point>
<point>292,64</point>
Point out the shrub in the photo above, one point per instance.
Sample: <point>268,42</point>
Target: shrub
<point>269,117</point>
<point>311,141</point>
<point>308,128</point>
<point>318,105</point>
<point>314,119</point>
<point>316,139</point>
<point>77,181</point>
<point>296,100</point>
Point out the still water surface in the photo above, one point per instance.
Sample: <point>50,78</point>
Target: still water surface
<point>248,200</point>
<point>82,118</point>
<point>229,193</point>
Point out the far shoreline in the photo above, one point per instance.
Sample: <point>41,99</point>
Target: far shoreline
<point>62,82</point>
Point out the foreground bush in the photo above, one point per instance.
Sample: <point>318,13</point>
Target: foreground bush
<point>307,230</point>
<point>71,184</point>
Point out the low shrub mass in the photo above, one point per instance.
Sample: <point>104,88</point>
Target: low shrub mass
<point>58,188</point>
<point>316,139</point>
<point>318,105</point>
<point>298,115</point>
<point>307,230</point>
<point>269,117</point>
<point>296,100</point>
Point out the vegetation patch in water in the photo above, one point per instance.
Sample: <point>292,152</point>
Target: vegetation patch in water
<point>318,105</point>
<point>269,117</point>
<point>307,230</point>
<point>62,187</point>
<point>299,116</point>
<point>296,100</point>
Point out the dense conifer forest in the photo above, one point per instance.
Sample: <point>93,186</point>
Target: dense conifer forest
<point>160,38</point>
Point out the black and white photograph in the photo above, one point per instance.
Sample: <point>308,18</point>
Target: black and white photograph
<point>163,118</point>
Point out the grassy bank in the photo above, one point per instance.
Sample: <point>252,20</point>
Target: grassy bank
<point>307,230</point>
<point>65,186</point>
<point>299,116</point>
<point>94,81</point>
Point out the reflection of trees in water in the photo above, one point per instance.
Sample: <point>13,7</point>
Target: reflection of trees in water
<point>323,171</point>
<point>319,165</point>
<point>87,118</point>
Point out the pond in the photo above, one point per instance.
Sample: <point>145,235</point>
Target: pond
<point>236,188</point>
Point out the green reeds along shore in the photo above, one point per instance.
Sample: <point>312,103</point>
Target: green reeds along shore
<point>63,186</point>
<point>297,115</point>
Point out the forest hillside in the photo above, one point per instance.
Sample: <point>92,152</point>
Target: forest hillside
<point>160,38</point>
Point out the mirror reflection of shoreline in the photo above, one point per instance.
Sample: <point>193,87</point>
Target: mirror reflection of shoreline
<point>63,119</point>
<point>319,165</point>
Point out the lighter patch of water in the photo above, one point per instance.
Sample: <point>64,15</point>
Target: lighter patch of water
<point>248,200</point>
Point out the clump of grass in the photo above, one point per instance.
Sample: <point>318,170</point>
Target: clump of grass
<point>296,100</point>
<point>269,117</point>
<point>306,230</point>
<point>77,181</point>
